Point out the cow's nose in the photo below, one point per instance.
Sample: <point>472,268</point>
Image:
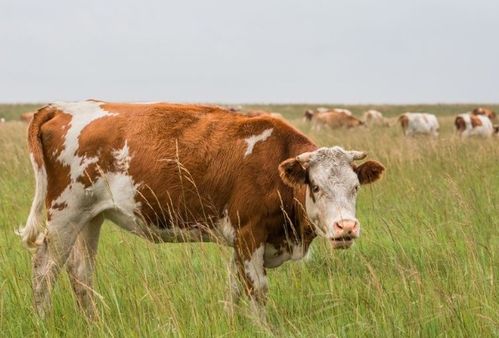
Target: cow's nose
<point>346,227</point>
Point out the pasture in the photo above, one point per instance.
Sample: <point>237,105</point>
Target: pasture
<point>426,263</point>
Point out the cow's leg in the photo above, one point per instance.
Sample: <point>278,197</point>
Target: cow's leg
<point>51,254</point>
<point>81,263</point>
<point>249,250</point>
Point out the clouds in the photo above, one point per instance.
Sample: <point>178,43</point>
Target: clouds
<point>259,51</point>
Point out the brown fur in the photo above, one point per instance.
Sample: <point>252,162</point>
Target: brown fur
<point>404,121</point>
<point>484,111</point>
<point>475,121</point>
<point>335,119</point>
<point>460,124</point>
<point>292,172</point>
<point>309,114</point>
<point>369,171</point>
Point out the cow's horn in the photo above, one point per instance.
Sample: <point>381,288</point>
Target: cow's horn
<point>304,158</point>
<point>357,155</point>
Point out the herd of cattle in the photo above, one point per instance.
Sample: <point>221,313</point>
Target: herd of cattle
<point>193,173</point>
<point>478,122</point>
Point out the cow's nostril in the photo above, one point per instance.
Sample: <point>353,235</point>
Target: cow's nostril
<point>337,224</point>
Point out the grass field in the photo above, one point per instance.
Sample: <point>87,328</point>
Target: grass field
<point>426,264</point>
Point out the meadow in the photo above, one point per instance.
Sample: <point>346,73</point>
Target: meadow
<point>426,264</point>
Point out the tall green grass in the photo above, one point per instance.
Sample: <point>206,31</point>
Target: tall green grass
<point>425,265</point>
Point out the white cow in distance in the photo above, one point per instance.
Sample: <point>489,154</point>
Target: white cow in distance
<point>419,123</point>
<point>469,124</point>
<point>374,118</point>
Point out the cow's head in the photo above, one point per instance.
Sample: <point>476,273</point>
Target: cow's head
<point>332,181</point>
<point>309,114</point>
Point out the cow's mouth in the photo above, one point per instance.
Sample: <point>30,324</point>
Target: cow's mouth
<point>342,242</point>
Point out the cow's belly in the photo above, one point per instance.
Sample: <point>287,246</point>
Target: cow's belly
<point>275,256</point>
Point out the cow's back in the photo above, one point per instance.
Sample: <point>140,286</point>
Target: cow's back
<point>188,163</point>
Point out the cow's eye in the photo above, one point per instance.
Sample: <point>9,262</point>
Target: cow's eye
<point>315,188</point>
<point>356,188</point>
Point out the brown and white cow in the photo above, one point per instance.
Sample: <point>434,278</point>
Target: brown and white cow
<point>374,118</point>
<point>419,123</point>
<point>333,119</point>
<point>470,124</point>
<point>484,111</point>
<point>311,113</point>
<point>178,173</point>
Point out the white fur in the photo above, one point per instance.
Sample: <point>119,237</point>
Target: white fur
<point>112,191</point>
<point>330,169</point>
<point>252,140</point>
<point>83,113</point>
<point>228,231</point>
<point>422,123</point>
<point>374,118</point>
<point>224,231</point>
<point>254,269</point>
<point>485,130</point>
<point>274,258</point>
<point>122,157</point>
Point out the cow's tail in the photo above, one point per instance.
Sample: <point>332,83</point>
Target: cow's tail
<point>33,228</point>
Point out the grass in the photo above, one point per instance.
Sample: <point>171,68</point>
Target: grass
<point>426,264</point>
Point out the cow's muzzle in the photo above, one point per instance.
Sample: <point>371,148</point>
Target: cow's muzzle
<point>346,231</point>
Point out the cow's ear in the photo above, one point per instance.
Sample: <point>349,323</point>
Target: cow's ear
<point>292,172</point>
<point>369,171</point>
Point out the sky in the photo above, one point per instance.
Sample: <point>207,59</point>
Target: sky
<point>259,51</point>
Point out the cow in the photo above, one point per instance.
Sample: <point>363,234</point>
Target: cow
<point>469,124</point>
<point>484,111</point>
<point>374,118</point>
<point>419,123</point>
<point>310,113</point>
<point>334,120</point>
<point>26,117</point>
<point>183,173</point>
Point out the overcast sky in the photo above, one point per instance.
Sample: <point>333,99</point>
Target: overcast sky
<point>350,51</point>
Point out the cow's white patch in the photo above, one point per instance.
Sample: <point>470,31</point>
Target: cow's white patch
<point>82,113</point>
<point>274,257</point>
<point>485,130</point>
<point>226,230</point>
<point>254,269</point>
<point>252,140</point>
<point>122,158</point>
<point>422,123</point>
<point>112,191</point>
